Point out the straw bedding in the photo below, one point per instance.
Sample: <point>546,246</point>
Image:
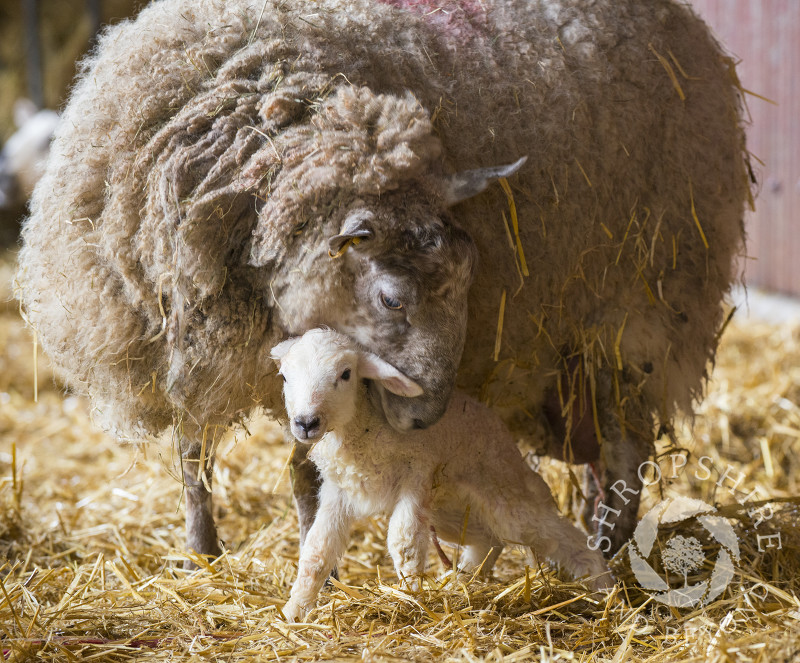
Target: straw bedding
<point>91,540</point>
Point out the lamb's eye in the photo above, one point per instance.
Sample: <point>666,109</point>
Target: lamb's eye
<point>346,375</point>
<point>391,302</point>
<point>282,376</point>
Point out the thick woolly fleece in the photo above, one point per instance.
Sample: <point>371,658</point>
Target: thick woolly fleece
<point>208,144</point>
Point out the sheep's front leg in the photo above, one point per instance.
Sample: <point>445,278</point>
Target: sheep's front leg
<point>408,539</point>
<point>324,544</point>
<point>201,532</point>
<point>306,483</point>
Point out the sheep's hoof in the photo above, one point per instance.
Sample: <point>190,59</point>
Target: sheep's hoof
<point>605,582</point>
<point>190,565</point>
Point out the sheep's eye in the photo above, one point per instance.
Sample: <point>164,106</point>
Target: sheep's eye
<point>391,302</point>
<point>282,376</point>
<point>346,375</point>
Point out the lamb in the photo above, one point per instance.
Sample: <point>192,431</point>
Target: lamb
<point>24,154</point>
<point>228,174</point>
<point>423,478</point>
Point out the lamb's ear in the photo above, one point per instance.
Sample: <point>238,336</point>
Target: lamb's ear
<point>460,186</point>
<point>374,368</point>
<point>279,351</point>
<point>357,227</point>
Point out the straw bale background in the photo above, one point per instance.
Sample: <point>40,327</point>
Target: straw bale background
<point>91,538</point>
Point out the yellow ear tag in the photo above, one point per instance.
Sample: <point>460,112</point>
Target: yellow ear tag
<point>352,241</point>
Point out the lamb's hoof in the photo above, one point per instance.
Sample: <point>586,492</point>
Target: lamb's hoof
<point>294,610</point>
<point>412,584</point>
<point>477,572</point>
<point>335,575</point>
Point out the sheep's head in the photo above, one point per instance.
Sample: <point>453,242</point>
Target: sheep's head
<point>410,273</point>
<point>322,371</point>
<point>369,179</point>
<point>411,268</point>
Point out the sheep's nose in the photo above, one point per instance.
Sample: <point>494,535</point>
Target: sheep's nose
<point>308,425</point>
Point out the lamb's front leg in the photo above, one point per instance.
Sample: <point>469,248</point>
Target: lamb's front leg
<point>408,538</point>
<point>324,544</point>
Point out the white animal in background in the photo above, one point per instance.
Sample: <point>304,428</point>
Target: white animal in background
<point>423,478</point>
<point>24,155</point>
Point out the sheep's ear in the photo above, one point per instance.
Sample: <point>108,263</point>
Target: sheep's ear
<point>460,186</point>
<point>357,227</point>
<point>374,368</point>
<point>279,351</point>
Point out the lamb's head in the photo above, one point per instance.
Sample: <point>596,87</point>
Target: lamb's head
<point>322,372</point>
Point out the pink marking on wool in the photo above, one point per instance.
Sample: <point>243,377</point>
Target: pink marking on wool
<point>459,18</point>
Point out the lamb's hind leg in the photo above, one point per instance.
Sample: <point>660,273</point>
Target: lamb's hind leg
<point>482,556</point>
<point>529,517</point>
<point>408,539</point>
<point>563,543</point>
<point>198,464</point>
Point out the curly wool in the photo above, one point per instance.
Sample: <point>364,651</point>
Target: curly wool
<point>209,144</point>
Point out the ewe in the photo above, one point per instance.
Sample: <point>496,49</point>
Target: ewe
<point>215,153</point>
<point>423,478</point>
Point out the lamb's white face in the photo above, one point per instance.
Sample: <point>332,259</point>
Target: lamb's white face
<point>320,385</point>
<point>321,372</point>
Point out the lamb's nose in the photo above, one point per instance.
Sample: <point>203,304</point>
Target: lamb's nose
<point>308,425</point>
